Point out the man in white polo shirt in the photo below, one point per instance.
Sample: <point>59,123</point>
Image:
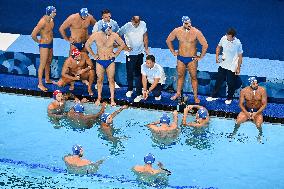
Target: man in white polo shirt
<point>229,66</point>
<point>136,39</point>
<point>153,78</point>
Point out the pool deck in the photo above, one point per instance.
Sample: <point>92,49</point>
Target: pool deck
<point>27,85</point>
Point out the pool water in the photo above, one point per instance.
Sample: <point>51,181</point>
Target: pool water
<point>32,147</point>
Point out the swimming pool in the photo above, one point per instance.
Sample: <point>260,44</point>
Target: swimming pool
<point>32,147</point>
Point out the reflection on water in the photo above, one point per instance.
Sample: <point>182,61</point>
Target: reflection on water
<point>199,138</point>
<point>160,180</point>
<point>165,139</point>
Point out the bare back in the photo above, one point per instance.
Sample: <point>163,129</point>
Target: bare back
<point>187,40</point>
<point>75,160</point>
<point>254,100</point>
<point>45,29</point>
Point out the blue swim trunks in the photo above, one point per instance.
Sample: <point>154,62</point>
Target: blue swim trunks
<point>105,63</point>
<point>185,60</point>
<point>79,46</point>
<point>252,109</point>
<point>49,46</point>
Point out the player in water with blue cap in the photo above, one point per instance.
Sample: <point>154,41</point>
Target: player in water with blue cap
<point>104,57</point>
<point>45,28</point>
<point>76,115</point>
<point>149,160</point>
<point>78,24</point>
<point>164,123</point>
<point>201,117</point>
<point>253,100</point>
<point>75,163</point>
<point>106,123</point>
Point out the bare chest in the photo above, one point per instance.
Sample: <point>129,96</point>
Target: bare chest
<point>187,37</point>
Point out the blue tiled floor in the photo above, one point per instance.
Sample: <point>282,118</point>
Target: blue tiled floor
<point>24,82</point>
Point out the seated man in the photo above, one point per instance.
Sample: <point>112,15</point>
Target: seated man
<point>153,78</point>
<point>253,100</point>
<point>76,115</point>
<point>149,159</point>
<point>106,123</point>
<point>202,116</point>
<point>165,123</point>
<point>77,67</point>
<point>76,165</point>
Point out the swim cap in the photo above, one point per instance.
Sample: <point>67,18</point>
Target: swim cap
<point>104,117</point>
<point>76,149</point>
<point>185,19</point>
<point>149,158</point>
<point>75,53</point>
<point>55,93</point>
<point>202,113</point>
<point>84,12</point>
<point>252,79</point>
<point>49,10</point>
<point>106,26</point>
<point>165,119</point>
<point>79,108</point>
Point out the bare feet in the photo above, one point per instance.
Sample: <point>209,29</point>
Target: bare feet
<point>90,91</point>
<point>175,96</point>
<point>196,100</point>
<point>98,102</point>
<point>49,81</point>
<point>42,88</point>
<point>112,102</point>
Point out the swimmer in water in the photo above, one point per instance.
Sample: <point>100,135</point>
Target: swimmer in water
<point>75,163</point>
<point>76,115</point>
<point>164,124</point>
<point>202,116</point>
<point>147,168</point>
<point>45,28</point>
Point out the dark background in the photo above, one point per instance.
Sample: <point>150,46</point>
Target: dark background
<point>259,23</point>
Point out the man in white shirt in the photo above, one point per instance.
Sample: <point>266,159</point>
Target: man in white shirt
<point>153,78</point>
<point>230,65</point>
<point>136,39</point>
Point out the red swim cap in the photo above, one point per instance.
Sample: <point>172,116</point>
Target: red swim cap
<point>55,93</point>
<point>75,52</point>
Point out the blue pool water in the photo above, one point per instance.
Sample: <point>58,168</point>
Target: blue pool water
<point>32,147</point>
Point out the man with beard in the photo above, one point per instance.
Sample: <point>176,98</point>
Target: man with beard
<point>253,100</point>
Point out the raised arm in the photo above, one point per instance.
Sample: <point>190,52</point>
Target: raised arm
<point>170,40</point>
<point>37,29</point>
<point>118,111</point>
<point>175,120</point>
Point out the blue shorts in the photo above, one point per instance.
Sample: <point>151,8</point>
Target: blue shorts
<point>252,109</point>
<point>79,46</point>
<point>185,60</point>
<point>105,63</point>
<point>49,46</point>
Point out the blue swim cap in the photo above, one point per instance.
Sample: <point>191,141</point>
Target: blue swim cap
<point>76,149</point>
<point>49,10</point>
<point>165,119</point>
<point>79,108</point>
<point>185,19</point>
<point>202,113</point>
<point>105,26</point>
<point>104,117</point>
<point>84,12</point>
<point>252,79</point>
<point>149,158</point>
